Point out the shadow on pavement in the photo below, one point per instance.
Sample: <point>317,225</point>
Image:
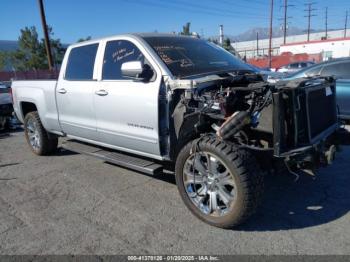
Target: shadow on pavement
<point>7,132</point>
<point>289,204</point>
<point>305,203</point>
<point>63,152</point>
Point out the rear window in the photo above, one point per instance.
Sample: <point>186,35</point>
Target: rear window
<point>81,62</point>
<point>293,66</point>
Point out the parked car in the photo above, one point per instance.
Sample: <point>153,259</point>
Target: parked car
<point>340,69</point>
<point>143,101</point>
<point>6,108</point>
<point>268,75</point>
<point>294,67</point>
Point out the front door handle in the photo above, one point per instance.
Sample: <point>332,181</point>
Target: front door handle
<point>101,92</point>
<point>62,91</point>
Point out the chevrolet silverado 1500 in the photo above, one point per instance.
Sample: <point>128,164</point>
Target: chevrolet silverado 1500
<point>146,100</point>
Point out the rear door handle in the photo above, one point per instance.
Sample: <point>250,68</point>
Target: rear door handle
<point>101,92</point>
<point>62,91</point>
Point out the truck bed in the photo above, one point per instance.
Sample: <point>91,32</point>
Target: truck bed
<point>42,94</point>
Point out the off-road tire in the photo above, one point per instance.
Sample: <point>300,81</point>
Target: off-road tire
<point>48,141</point>
<point>247,174</point>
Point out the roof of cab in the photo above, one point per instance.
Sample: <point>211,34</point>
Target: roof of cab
<point>135,35</point>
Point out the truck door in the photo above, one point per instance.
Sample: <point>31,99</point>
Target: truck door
<point>75,91</point>
<point>127,110</point>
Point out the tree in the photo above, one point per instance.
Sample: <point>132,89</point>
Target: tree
<point>84,39</point>
<point>3,60</point>
<point>186,29</point>
<point>215,41</point>
<point>227,44</point>
<point>31,53</point>
<point>56,47</point>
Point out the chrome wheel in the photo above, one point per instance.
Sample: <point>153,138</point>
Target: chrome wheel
<point>33,134</point>
<point>209,184</point>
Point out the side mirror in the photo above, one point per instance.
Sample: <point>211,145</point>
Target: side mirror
<point>137,70</point>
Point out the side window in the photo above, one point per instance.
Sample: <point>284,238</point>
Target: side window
<point>116,53</point>
<point>293,66</point>
<point>340,70</point>
<point>81,62</point>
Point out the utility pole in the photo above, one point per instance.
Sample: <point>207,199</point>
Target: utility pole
<point>309,11</point>
<point>257,44</point>
<point>285,20</point>
<point>346,22</point>
<point>46,34</point>
<point>284,26</point>
<point>270,40</point>
<point>326,23</point>
<point>221,37</point>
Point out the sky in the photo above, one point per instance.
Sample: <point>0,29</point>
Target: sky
<point>74,19</point>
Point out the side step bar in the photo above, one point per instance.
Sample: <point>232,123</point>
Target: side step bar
<point>120,159</point>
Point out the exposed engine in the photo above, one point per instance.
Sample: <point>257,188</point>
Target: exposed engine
<point>280,119</point>
<point>229,107</point>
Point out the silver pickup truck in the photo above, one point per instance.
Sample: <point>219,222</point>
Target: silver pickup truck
<point>146,101</point>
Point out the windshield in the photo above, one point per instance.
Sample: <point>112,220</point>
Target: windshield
<point>187,56</point>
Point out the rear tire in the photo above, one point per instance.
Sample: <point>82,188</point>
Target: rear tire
<point>38,139</point>
<point>230,202</point>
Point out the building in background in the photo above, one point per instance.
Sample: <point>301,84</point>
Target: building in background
<point>330,48</point>
<point>249,49</point>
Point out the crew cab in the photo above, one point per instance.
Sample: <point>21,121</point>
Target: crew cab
<point>145,101</point>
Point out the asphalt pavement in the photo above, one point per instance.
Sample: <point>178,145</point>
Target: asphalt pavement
<point>69,203</point>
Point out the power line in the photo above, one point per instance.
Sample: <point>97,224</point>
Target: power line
<point>183,3</point>
<point>309,15</point>
<point>195,8</point>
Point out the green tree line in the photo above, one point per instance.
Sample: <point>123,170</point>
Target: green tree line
<point>31,53</point>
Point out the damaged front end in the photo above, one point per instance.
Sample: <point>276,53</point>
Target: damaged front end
<point>293,122</point>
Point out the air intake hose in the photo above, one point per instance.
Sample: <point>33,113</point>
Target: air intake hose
<point>233,124</point>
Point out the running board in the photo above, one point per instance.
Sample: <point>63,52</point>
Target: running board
<point>120,159</point>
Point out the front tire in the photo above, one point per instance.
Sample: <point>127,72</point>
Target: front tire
<point>220,184</point>
<point>38,139</point>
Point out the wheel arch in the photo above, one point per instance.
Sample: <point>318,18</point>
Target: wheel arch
<point>27,107</point>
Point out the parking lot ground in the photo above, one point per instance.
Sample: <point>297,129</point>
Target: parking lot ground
<point>74,204</point>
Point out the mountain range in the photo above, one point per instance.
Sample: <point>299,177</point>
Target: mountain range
<point>8,45</point>
<point>264,33</point>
